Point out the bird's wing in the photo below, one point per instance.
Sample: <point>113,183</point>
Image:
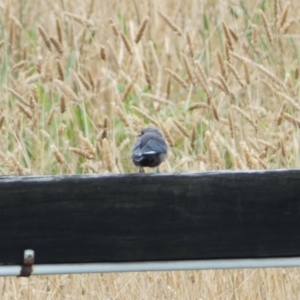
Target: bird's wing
<point>137,145</point>
<point>153,147</point>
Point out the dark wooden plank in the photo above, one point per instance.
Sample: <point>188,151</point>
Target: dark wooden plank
<point>123,218</point>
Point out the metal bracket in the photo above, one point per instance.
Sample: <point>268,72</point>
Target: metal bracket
<point>26,268</point>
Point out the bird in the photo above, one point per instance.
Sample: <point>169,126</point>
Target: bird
<point>150,150</point>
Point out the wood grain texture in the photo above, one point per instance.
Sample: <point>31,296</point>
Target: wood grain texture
<point>151,217</point>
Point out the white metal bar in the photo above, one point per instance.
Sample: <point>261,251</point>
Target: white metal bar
<point>154,266</point>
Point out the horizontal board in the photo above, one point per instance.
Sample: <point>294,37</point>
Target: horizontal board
<point>150,217</point>
<point>146,266</point>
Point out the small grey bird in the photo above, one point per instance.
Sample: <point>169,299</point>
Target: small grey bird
<point>150,149</point>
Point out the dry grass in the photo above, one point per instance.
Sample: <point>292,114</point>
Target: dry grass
<point>221,76</point>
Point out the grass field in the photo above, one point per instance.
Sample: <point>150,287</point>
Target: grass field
<point>79,79</point>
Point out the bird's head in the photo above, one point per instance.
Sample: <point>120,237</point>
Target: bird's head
<point>150,130</point>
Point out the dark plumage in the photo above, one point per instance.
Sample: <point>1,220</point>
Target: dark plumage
<point>150,149</point>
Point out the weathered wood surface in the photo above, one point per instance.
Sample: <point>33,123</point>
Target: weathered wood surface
<point>151,217</point>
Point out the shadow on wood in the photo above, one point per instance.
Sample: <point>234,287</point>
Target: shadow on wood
<point>151,217</point>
